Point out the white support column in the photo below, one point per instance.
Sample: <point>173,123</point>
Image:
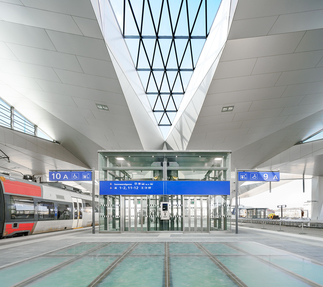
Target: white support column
<point>317,198</point>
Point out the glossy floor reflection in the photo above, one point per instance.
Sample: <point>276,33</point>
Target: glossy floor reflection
<point>175,264</point>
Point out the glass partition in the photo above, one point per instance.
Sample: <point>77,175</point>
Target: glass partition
<point>130,202</point>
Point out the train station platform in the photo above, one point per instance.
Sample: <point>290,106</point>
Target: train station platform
<point>254,257</point>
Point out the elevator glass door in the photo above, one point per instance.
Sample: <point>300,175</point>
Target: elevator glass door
<point>196,218</point>
<point>142,213</point>
<point>135,213</point>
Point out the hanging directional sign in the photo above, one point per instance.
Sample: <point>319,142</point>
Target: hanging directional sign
<point>83,175</point>
<point>259,176</point>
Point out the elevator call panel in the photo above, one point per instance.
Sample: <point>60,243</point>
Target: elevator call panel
<point>164,210</point>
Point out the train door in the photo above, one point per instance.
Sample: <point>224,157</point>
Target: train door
<point>1,210</point>
<point>77,212</point>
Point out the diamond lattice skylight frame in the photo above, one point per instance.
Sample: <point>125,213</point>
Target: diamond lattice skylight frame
<point>165,39</point>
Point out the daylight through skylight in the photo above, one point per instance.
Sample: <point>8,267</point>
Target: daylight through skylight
<point>165,39</point>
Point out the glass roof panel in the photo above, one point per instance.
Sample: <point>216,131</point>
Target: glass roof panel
<point>212,9</point>
<point>159,105</point>
<point>315,137</point>
<point>181,28</point>
<point>142,60</point>
<point>155,7</point>
<point>158,37</point>
<point>144,76</point>
<point>174,7</point>
<point>197,46</point>
<point>199,23</point>
<point>164,87</point>
<point>164,28</point>
<point>165,120</point>
<point>186,76</point>
<point>171,105</point>
<point>148,28</point>
<point>171,116</point>
<point>151,88</point>
<point>158,76</point>
<point>131,27</point>
<point>117,6</point>
<point>133,45</point>
<point>193,10</point>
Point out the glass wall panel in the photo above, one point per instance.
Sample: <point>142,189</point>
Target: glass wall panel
<point>131,209</point>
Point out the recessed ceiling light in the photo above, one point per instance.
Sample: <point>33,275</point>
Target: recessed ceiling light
<point>102,107</point>
<point>119,158</point>
<point>218,158</point>
<point>228,109</point>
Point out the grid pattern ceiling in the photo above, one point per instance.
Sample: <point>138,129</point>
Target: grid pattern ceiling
<point>165,39</point>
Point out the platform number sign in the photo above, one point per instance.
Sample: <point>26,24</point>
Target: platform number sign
<point>70,175</point>
<point>259,176</point>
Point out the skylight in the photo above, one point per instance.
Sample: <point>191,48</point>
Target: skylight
<point>165,39</point>
<point>314,137</point>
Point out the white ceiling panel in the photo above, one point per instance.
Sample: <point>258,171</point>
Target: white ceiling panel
<point>302,109</point>
<point>38,18</point>
<point>5,52</point>
<point>97,67</point>
<point>243,96</point>
<point>234,68</point>
<point>287,62</point>
<point>19,81</point>
<point>88,27</point>
<point>298,22</point>
<point>16,2</point>
<point>263,8</point>
<point>311,41</point>
<point>89,81</point>
<point>248,28</point>
<point>81,8</point>
<point>244,83</point>
<point>50,98</point>
<point>79,45</point>
<point>45,58</point>
<point>300,76</point>
<point>255,115</point>
<point>28,70</point>
<point>263,122</point>
<point>216,110</point>
<point>261,46</point>
<point>303,89</point>
<point>25,35</point>
<point>82,92</point>
<point>312,99</point>
<point>276,103</point>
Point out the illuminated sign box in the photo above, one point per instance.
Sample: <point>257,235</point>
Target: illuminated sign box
<point>164,187</point>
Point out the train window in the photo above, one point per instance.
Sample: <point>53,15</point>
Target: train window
<point>75,211</point>
<point>45,210</point>
<point>63,211</point>
<point>80,210</point>
<point>22,207</point>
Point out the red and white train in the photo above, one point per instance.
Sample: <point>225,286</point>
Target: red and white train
<point>31,208</point>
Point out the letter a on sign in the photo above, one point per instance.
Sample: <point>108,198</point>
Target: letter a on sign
<point>65,177</point>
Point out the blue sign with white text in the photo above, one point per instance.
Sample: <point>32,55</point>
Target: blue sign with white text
<point>164,187</point>
<point>259,176</point>
<point>70,175</point>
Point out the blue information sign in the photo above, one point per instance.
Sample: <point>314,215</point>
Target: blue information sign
<point>70,175</point>
<point>259,176</point>
<point>164,187</point>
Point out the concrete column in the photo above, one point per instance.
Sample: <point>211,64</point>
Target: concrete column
<point>317,198</point>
